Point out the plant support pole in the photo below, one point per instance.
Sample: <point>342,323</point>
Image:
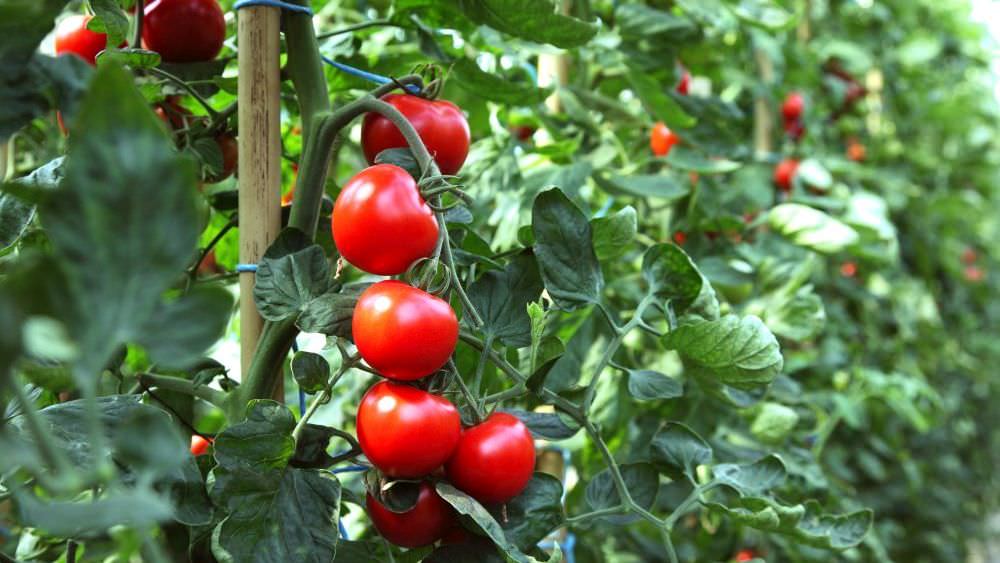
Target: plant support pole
<point>260,158</point>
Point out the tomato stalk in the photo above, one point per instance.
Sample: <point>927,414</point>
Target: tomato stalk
<point>187,87</point>
<point>140,8</point>
<point>181,385</point>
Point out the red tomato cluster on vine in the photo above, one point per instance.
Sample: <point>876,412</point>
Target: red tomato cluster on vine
<point>382,225</point>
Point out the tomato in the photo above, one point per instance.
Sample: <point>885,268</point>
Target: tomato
<point>662,139</point>
<point>793,106</point>
<point>856,151</point>
<point>171,112</point>
<point>381,223</point>
<point>795,129</point>
<point>210,265</point>
<point>439,123</point>
<point>969,256</point>
<point>685,82</point>
<point>403,332</point>
<point>199,445</point>
<point>429,519</point>
<point>745,555</point>
<point>680,237</point>
<point>72,36</point>
<point>494,460</point>
<point>406,432</point>
<point>184,31</point>
<point>784,173</point>
<point>974,273</point>
<point>522,132</point>
<point>848,269</point>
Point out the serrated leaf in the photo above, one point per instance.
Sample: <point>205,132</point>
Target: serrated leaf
<point>494,87</point>
<point>677,451</point>
<point>502,298</point>
<point>612,234</point>
<point>752,478</point>
<point>641,481</point>
<point>311,371</point>
<point>811,228</point>
<point>331,313</point>
<point>289,276</point>
<point>565,251</point>
<point>648,385</point>
<point>534,513</point>
<point>740,352</point>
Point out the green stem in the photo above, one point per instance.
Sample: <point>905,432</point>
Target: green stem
<point>139,12</point>
<point>322,397</point>
<point>358,27</point>
<point>469,396</point>
<point>305,68</point>
<point>187,87</point>
<point>579,519</point>
<point>477,381</point>
<point>616,342</point>
<point>186,386</point>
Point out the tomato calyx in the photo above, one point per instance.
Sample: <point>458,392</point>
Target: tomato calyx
<point>396,495</point>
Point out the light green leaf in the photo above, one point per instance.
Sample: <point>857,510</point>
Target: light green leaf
<point>612,234</point>
<point>811,228</point>
<point>677,451</point>
<point>740,352</point>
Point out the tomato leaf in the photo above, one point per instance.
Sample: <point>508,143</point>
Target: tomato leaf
<point>290,275</point>
<point>640,22</point>
<point>677,451</point>
<point>673,277</point>
<point>546,425</point>
<point>648,385</point>
<point>662,107</point>
<point>502,298</point>
<point>811,228</point>
<point>565,251</point>
<point>311,371</point>
<point>494,87</point>
<point>660,186</point>
<point>642,483</point>
<point>529,20</point>
<point>331,313</point>
<point>15,215</point>
<point>468,506</point>
<point>180,331</point>
<point>109,19</point>
<point>740,352</point>
<point>614,233</point>
<point>534,513</point>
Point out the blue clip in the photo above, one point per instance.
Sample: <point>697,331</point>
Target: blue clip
<point>274,4</point>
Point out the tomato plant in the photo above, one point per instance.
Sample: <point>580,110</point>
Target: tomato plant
<point>427,521</point>
<point>440,124</point>
<point>494,460</point>
<point>184,31</point>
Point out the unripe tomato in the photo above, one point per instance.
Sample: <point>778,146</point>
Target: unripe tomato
<point>230,157</point>
<point>784,173</point>
<point>793,106</point>
<point>439,123</point>
<point>429,519</point>
<point>685,82</point>
<point>406,432</point>
<point>662,139</point>
<point>402,331</point>
<point>72,36</point>
<point>494,460</point>
<point>184,31</point>
<point>381,223</point>
<point>199,445</point>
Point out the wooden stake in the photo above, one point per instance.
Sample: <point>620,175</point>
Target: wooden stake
<point>763,117</point>
<point>260,157</point>
<point>553,70</point>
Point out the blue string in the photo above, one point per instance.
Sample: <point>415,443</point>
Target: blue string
<point>244,268</point>
<point>349,469</point>
<point>274,4</point>
<point>343,530</point>
<point>369,76</point>
<point>302,394</point>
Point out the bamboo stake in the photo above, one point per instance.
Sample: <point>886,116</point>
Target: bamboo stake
<point>260,157</point>
<point>763,122</point>
<point>553,69</point>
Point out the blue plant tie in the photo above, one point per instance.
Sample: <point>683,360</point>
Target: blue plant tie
<point>349,469</point>
<point>302,394</point>
<point>274,4</point>
<point>246,268</point>
<point>343,530</point>
<point>365,75</point>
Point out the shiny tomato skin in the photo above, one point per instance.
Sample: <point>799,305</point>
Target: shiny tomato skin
<point>402,331</point>
<point>381,223</point>
<point>406,432</point>
<point>439,123</point>
<point>72,36</point>
<point>200,445</point>
<point>184,31</point>
<point>784,173</point>
<point>494,460</point>
<point>662,139</point>
<point>429,519</point>
<point>793,106</point>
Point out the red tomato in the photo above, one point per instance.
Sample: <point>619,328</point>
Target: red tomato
<point>784,173</point>
<point>381,223</point>
<point>848,269</point>
<point>745,555</point>
<point>795,129</point>
<point>230,157</point>
<point>494,460</point>
<point>685,82</point>
<point>856,151</point>
<point>974,274</point>
<point>199,445</point>
<point>406,432</point>
<point>429,519</point>
<point>184,31</point>
<point>969,256</point>
<point>439,123</point>
<point>680,237</point>
<point>793,106</point>
<point>72,36</point>
<point>662,139</point>
<point>522,132</point>
<point>404,332</point>
<point>171,112</point>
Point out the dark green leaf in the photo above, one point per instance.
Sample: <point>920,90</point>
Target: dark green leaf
<point>565,251</point>
<point>535,513</point>
<point>290,276</point>
<point>109,19</point>
<point>502,298</point>
<point>740,352</point>
<point>134,508</point>
<point>614,233</point>
<point>134,58</point>
<point>546,425</point>
<point>636,21</point>
<point>147,441</point>
<point>648,385</point>
<point>15,216</point>
<point>311,447</point>
<point>752,478</point>
<point>642,483</point>
<point>672,276</point>
<point>465,504</point>
<point>331,313</point>
<point>311,371</point>
<point>494,87</point>
<point>401,157</point>
<point>180,331</point>
<point>530,20</point>
<point>677,451</point>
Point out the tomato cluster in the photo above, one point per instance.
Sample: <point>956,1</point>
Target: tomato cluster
<point>792,110</point>
<point>661,138</point>
<point>382,225</point>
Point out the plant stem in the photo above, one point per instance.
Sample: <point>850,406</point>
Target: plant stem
<point>321,398</point>
<point>305,68</point>
<point>611,511</point>
<point>469,396</point>
<point>481,364</point>
<point>185,386</point>
<point>358,27</point>
<point>140,10</point>
<point>187,87</point>
<point>616,342</point>
<point>193,270</point>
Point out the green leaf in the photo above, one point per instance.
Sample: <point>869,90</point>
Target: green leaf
<point>478,551</point>
<point>502,298</point>
<point>290,275</point>
<point>683,158</point>
<point>805,523</point>
<point>43,85</point>
<point>813,174</point>
<point>40,184</point>
<point>145,231</point>
<point>15,216</point>
<point>274,512</point>
<point>677,451</point>
<point>534,513</point>
<point>180,331</point>
<point>636,21</point>
<point>311,371</point>
<point>799,317</point>
<point>468,506</point>
<point>660,186</point>
<point>613,234</point>
<point>494,87</point>
<point>133,508</point>
<point>762,13</point>
<point>774,422</point>
<point>311,447</point>
<point>672,276</point>
<point>529,19</point>
<point>331,313</point>
<point>546,425</point>
<point>565,251</point>
<point>648,385</point>
<point>641,481</point>
<point>752,478</point>
<point>110,19</point>
<point>131,57</point>
<point>737,351</point>
<point>811,228</point>
<point>660,105</point>
<point>147,441</point>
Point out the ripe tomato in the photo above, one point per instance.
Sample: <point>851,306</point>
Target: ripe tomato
<point>974,274</point>
<point>784,173</point>
<point>745,555</point>
<point>439,123</point>
<point>680,237</point>
<point>848,269</point>
<point>381,223</point>
<point>429,519</point>
<point>969,256</point>
<point>404,332</point>
<point>199,445</point>
<point>72,36</point>
<point>184,31</point>
<point>230,157</point>
<point>494,460</point>
<point>856,151</point>
<point>685,82</point>
<point>522,132</point>
<point>793,106</point>
<point>795,129</point>
<point>406,432</point>
<point>662,139</point>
